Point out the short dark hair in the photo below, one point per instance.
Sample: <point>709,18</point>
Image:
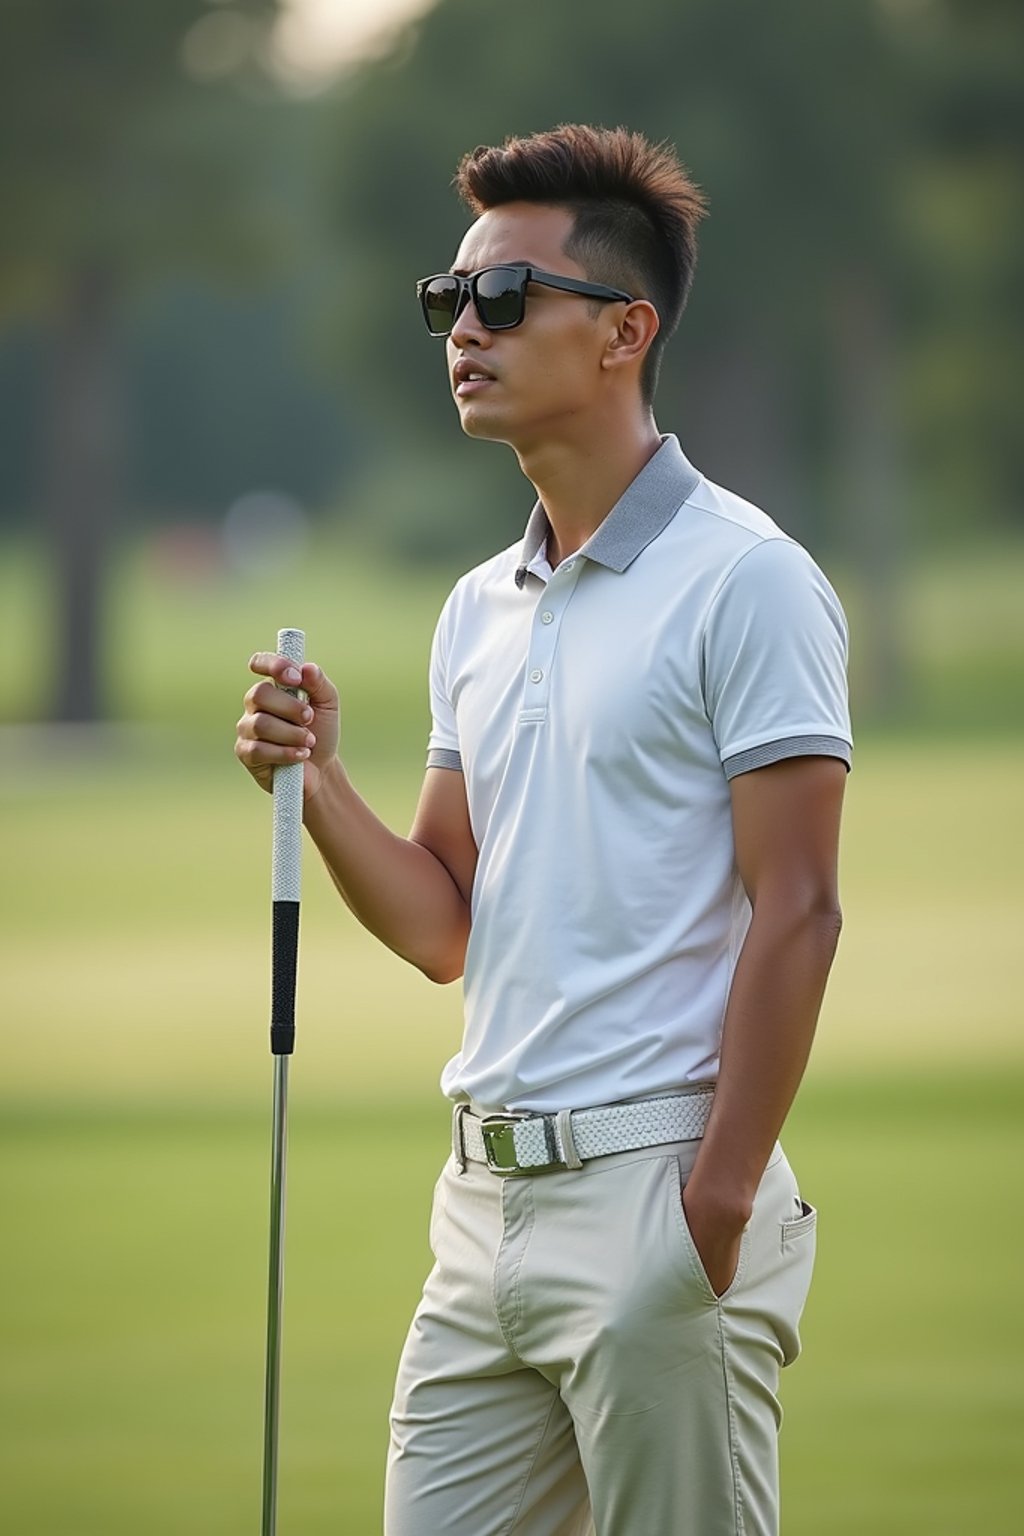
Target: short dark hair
<point>635,210</point>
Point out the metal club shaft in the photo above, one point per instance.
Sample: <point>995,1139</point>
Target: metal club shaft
<point>287,875</point>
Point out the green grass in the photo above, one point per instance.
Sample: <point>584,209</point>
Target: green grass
<point>135,1129</point>
<point>176,646</point>
<point>176,641</point>
<point>135,1088</point>
<point>134,1283</point>
<point>906,1413</point>
<point>135,1297</point>
<point>136,934</point>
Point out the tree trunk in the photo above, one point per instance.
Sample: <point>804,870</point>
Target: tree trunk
<point>736,422</point>
<point>875,533</point>
<point>81,454</point>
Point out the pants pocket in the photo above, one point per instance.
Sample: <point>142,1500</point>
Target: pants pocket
<point>799,1227</point>
<point>695,1266</point>
<point>797,1242</point>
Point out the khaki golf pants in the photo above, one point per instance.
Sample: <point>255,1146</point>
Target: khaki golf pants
<point>570,1371</point>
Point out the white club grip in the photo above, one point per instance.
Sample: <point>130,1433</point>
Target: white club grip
<point>288,778</point>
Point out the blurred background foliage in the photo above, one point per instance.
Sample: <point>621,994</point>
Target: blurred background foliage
<point>219,414</point>
<point>206,293</point>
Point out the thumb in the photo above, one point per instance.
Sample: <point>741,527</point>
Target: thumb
<point>318,687</point>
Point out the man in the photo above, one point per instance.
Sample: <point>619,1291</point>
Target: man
<point>626,842</point>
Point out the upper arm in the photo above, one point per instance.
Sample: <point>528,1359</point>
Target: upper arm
<point>786,830</point>
<point>774,661</point>
<point>442,826</point>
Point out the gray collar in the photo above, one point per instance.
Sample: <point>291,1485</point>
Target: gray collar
<point>644,510</point>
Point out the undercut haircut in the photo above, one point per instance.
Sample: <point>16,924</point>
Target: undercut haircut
<point>635,211</point>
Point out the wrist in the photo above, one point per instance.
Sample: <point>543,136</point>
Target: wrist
<point>723,1201</point>
<point>324,796</point>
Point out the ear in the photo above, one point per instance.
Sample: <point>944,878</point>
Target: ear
<point>628,343</point>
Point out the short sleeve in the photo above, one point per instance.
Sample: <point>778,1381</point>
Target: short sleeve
<point>774,661</point>
<point>443,745</point>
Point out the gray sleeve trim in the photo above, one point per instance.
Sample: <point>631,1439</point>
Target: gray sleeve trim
<point>788,746</point>
<point>444,757</point>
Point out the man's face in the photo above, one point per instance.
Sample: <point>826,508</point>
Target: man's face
<point>543,376</point>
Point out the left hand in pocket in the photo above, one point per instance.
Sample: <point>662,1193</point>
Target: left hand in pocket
<point>717,1238</point>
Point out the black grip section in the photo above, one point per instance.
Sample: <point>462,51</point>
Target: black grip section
<point>285,970</point>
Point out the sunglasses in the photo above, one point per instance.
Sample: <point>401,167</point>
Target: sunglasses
<point>498,295</point>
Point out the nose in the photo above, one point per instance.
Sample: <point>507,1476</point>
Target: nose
<point>468,329</point>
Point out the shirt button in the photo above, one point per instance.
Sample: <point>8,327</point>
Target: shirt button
<point>568,565</point>
<point>546,618</point>
<point>536,676</point>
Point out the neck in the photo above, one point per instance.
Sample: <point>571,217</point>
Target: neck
<point>578,479</point>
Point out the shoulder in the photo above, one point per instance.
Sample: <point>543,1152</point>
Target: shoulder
<point>736,523</point>
<point>751,560</point>
<point>495,573</point>
<point>473,596</point>
<point>478,587</point>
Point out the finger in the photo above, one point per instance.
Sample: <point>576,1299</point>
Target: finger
<point>269,728</point>
<point>255,755</point>
<point>318,687</point>
<point>269,664</point>
<point>267,698</point>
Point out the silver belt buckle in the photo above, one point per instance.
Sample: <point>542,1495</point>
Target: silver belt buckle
<point>499,1137</point>
<point>498,1132</point>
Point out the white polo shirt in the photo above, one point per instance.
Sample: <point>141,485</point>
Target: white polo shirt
<point>598,712</point>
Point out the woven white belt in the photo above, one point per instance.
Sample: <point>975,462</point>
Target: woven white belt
<point>520,1142</point>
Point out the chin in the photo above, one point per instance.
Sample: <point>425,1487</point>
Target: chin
<point>485,425</point>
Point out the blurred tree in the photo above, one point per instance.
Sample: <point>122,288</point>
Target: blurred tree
<point>138,139</point>
<point>853,353</point>
<point>223,400</point>
<point>219,399</point>
<point>766,104</point>
<point>845,209</point>
<point>964,203</point>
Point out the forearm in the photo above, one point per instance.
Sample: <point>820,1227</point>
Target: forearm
<point>398,889</point>
<point>769,1026</point>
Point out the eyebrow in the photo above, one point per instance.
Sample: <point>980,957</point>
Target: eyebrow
<point>519,261</point>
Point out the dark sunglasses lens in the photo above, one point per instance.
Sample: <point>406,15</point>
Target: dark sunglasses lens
<point>439,300</point>
<point>499,297</point>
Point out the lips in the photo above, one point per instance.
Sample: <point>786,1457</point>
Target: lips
<point>469,377</point>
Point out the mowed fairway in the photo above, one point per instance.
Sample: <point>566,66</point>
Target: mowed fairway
<point>136,1138</point>
<point>135,1100</point>
<point>134,1304</point>
<point>137,952</point>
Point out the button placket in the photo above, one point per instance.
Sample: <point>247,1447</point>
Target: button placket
<point>544,639</point>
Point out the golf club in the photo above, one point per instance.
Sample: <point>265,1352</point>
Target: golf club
<point>287,880</point>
